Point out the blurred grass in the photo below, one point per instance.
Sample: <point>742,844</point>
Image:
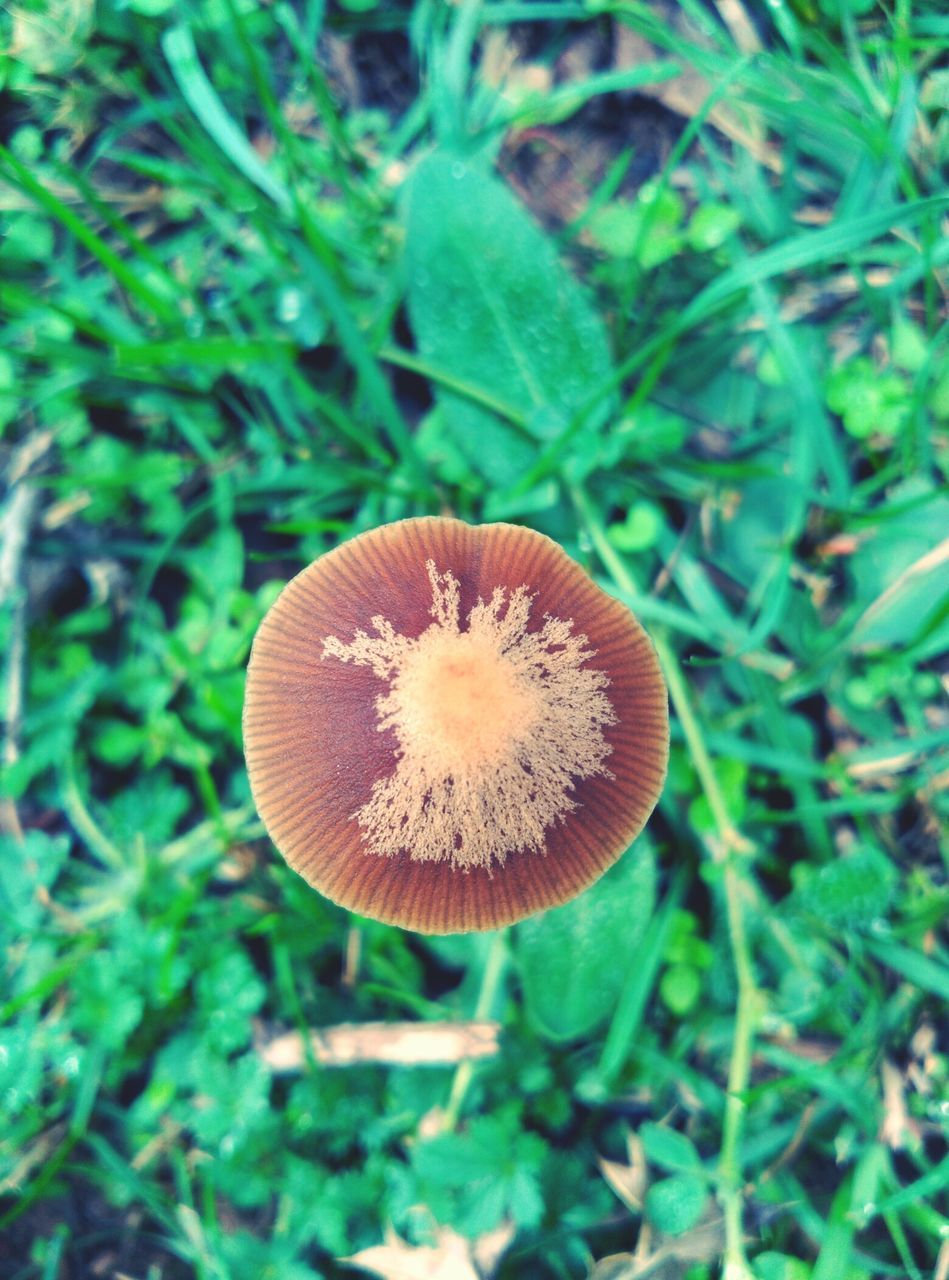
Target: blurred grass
<point>214,367</point>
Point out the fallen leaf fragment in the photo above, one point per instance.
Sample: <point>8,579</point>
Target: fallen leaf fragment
<point>688,93</point>
<point>942,1263</point>
<point>407,1044</point>
<point>452,1257</point>
<point>898,1129</point>
<point>627,1181</point>
<point>673,1253</point>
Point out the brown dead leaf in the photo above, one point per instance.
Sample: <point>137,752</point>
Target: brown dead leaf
<point>925,1064</point>
<point>623,1181</point>
<point>410,1044</point>
<point>736,19</point>
<point>49,38</point>
<point>60,513</point>
<point>504,67</point>
<point>687,93</point>
<point>452,1257</point>
<point>897,1125</point>
<point>841,544</point>
<point>811,1050</point>
<point>108,581</point>
<point>353,957</point>
<point>881,768</point>
<point>168,1135</point>
<point>618,1266</point>
<point>671,1258</point>
<point>628,1181</point>
<point>488,1249</point>
<point>942,1263</point>
<point>37,1155</point>
<point>787,1154</point>
<point>238,865</point>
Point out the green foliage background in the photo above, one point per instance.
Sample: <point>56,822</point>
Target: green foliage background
<point>274,274</point>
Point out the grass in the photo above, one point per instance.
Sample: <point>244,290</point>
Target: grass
<point>256,301</point>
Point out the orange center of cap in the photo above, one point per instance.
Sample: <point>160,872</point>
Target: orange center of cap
<point>461,701</point>
<point>495,725</point>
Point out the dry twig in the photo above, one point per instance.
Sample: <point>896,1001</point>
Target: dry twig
<point>389,1043</point>
<point>16,521</point>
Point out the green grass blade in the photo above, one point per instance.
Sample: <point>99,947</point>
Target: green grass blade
<point>201,96</point>
<point>149,299</point>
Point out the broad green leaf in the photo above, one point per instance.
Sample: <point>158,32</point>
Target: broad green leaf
<point>910,347</point>
<point>751,532</point>
<point>574,960</point>
<point>901,573</point>
<point>640,530</point>
<point>848,893</point>
<point>491,304</point>
<point>107,1006</point>
<point>647,231</point>
<point>23,1068</point>
<point>680,989</point>
<point>779,1266</point>
<point>669,1149</point>
<point>477,1177</point>
<point>711,225</point>
<point>868,400</point>
<point>675,1204</point>
<point>915,602</point>
<point>24,869</point>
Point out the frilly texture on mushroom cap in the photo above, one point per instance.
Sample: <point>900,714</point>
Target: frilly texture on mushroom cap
<point>449,727</point>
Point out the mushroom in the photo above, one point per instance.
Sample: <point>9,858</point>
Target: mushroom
<point>449,727</point>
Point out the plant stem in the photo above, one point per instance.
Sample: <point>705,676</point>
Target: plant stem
<point>494,967</point>
<point>85,826</point>
<point>16,523</point>
<point>725,851</point>
<point>739,1074</point>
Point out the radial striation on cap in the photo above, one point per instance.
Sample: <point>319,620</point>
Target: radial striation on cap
<point>449,727</point>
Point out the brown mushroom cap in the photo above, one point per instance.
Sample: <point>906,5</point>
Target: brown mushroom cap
<point>449,727</point>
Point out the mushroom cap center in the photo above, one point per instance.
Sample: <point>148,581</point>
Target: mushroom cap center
<point>461,701</point>
<point>494,726</point>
